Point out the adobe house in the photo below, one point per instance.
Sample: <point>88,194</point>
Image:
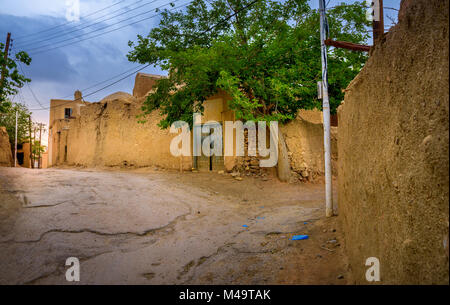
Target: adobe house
<point>7,152</point>
<point>61,112</point>
<point>23,154</point>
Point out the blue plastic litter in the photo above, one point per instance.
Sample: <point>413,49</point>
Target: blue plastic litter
<point>260,217</point>
<point>305,223</point>
<point>245,226</point>
<point>300,237</point>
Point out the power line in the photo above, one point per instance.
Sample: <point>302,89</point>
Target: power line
<point>60,25</point>
<point>45,50</point>
<point>104,81</point>
<point>28,85</point>
<point>63,33</point>
<point>98,90</point>
<point>107,86</point>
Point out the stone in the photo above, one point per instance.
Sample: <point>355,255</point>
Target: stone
<point>254,162</point>
<point>238,178</point>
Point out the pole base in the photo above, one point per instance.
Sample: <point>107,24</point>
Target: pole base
<point>329,212</point>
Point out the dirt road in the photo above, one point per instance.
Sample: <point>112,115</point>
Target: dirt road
<point>149,226</point>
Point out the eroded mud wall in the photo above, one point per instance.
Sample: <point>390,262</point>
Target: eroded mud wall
<point>5,149</point>
<point>304,142</point>
<point>393,152</point>
<point>109,134</point>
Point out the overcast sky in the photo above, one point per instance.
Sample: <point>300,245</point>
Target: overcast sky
<point>59,72</point>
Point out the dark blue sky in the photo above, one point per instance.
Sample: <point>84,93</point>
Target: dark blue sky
<point>58,73</point>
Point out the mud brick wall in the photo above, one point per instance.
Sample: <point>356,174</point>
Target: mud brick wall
<point>5,149</point>
<point>393,152</point>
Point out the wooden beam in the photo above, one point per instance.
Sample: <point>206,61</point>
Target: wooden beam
<point>347,45</point>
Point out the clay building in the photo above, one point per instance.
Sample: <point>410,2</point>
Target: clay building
<point>61,112</point>
<point>24,154</point>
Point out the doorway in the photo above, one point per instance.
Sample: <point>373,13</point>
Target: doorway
<point>209,163</point>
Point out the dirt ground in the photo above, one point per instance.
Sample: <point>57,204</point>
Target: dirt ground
<point>152,226</point>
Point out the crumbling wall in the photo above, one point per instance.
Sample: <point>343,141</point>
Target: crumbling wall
<point>144,83</point>
<point>304,141</point>
<point>300,150</point>
<point>108,134</point>
<point>5,148</point>
<point>393,152</point>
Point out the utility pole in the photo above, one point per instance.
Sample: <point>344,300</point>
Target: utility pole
<point>326,111</point>
<point>31,143</point>
<point>39,147</point>
<point>378,20</point>
<point>15,143</point>
<point>8,39</point>
<point>34,141</point>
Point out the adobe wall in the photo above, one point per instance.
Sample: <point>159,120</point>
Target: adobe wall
<point>305,150</point>
<point>108,134</point>
<point>393,152</point>
<point>5,149</point>
<point>143,83</point>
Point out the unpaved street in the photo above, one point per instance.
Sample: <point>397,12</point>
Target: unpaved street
<point>149,226</point>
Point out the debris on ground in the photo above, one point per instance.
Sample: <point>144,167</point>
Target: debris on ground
<point>322,247</point>
<point>300,237</point>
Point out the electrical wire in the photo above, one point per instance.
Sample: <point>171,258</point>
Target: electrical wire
<point>28,85</point>
<point>62,34</point>
<point>141,67</point>
<point>44,47</point>
<point>60,25</point>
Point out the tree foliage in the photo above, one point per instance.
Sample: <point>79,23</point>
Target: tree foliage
<point>266,57</point>
<point>12,78</point>
<point>8,119</point>
<point>37,149</point>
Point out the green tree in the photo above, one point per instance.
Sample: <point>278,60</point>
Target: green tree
<point>12,78</point>
<point>8,119</point>
<point>267,57</point>
<point>37,150</point>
